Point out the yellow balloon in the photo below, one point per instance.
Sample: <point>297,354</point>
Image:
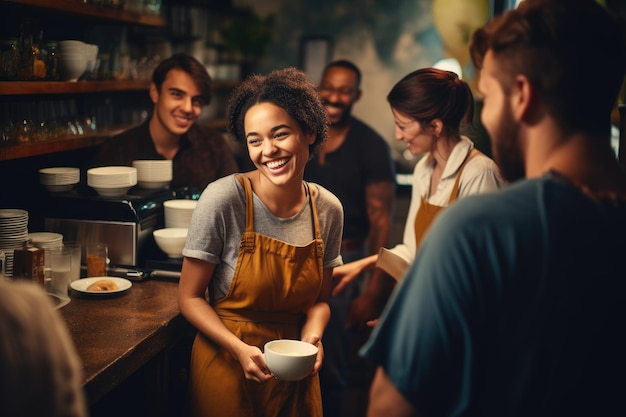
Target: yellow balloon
<point>456,21</point>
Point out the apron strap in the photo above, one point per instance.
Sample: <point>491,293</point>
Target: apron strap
<point>316,225</point>
<point>247,240</point>
<point>455,190</point>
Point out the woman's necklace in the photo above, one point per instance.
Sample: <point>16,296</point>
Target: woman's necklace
<point>441,156</point>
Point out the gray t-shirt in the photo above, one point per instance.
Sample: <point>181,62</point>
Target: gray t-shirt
<point>219,220</point>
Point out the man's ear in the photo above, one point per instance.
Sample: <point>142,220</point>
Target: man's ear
<point>154,93</point>
<point>522,97</point>
<point>357,95</point>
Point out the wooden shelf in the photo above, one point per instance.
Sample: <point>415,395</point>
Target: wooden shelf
<point>9,88</point>
<point>61,87</point>
<point>68,143</point>
<point>84,9</point>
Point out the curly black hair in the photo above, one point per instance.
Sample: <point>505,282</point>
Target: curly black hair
<point>287,88</point>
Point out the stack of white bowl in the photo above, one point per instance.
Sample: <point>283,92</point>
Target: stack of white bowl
<point>59,178</point>
<point>153,174</point>
<point>178,213</point>
<point>46,240</point>
<point>76,58</point>
<point>112,181</point>
<point>13,235</point>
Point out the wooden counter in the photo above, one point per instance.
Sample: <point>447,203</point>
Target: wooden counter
<point>118,336</point>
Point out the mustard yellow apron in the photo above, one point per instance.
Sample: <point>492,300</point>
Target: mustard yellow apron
<point>274,284</point>
<point>427,212</point>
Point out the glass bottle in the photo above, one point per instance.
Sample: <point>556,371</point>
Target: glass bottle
<point>39,65</point>
<point>10,59</point>
<point>27,58</point>
<point>50,53</point>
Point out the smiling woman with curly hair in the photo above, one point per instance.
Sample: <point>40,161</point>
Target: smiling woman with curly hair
<point>259,255</point>
<point>287,89</point>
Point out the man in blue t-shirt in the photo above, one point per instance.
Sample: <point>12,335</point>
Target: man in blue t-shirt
<point>515,303</point>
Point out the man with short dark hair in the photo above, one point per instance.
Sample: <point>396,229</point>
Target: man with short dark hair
<point>180,87</point>
<point>355,164</point>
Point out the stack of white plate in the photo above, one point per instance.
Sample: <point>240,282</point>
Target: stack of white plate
<point>178,212</point>
<point>59,178</point>
<point>153,174</point>
<point>112,181</point>
<point>46,240</point>
<point>13,234</point>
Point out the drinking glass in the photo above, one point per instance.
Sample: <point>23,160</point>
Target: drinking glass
<point>97,255</point>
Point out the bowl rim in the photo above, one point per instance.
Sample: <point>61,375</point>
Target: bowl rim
<point>170,229</point>
<point>180,203</point>
<point>111,169</point>
<point>314,349</point>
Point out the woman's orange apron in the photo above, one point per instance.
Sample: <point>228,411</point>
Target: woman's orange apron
<point>274,284</point>
<point>427,212</point>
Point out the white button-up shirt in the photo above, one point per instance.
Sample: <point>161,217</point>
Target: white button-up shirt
<point>480,175</point>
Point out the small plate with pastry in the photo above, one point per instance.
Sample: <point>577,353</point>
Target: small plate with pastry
<point>101,285</point>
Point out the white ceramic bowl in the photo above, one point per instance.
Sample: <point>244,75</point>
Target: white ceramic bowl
<point>171,240</point>
<point>112,176</point>
<point>178,212</point>
<point>58,179</point>
<point>153,174</point>
<point>68,44</point>
<point>72,67</point>
<point>153,185</point>
<point>290,360</point>
<point>54,188</point>
<point>111,191</point>
<point>112,181</point>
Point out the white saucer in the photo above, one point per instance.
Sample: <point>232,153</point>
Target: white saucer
<point>81,285</point>
<point>58,301</point>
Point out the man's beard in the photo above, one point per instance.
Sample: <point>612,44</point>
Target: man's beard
<point>345,115</point>
<point>507,151</point>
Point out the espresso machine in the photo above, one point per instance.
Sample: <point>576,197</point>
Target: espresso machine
<point>125,224</point>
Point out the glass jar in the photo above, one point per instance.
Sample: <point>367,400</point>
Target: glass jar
<point>50,52</point>
<point>26,64</point>
<point>10,60</point>
<point>39,65</point>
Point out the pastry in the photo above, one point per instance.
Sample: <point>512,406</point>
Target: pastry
<point>103,285</point>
